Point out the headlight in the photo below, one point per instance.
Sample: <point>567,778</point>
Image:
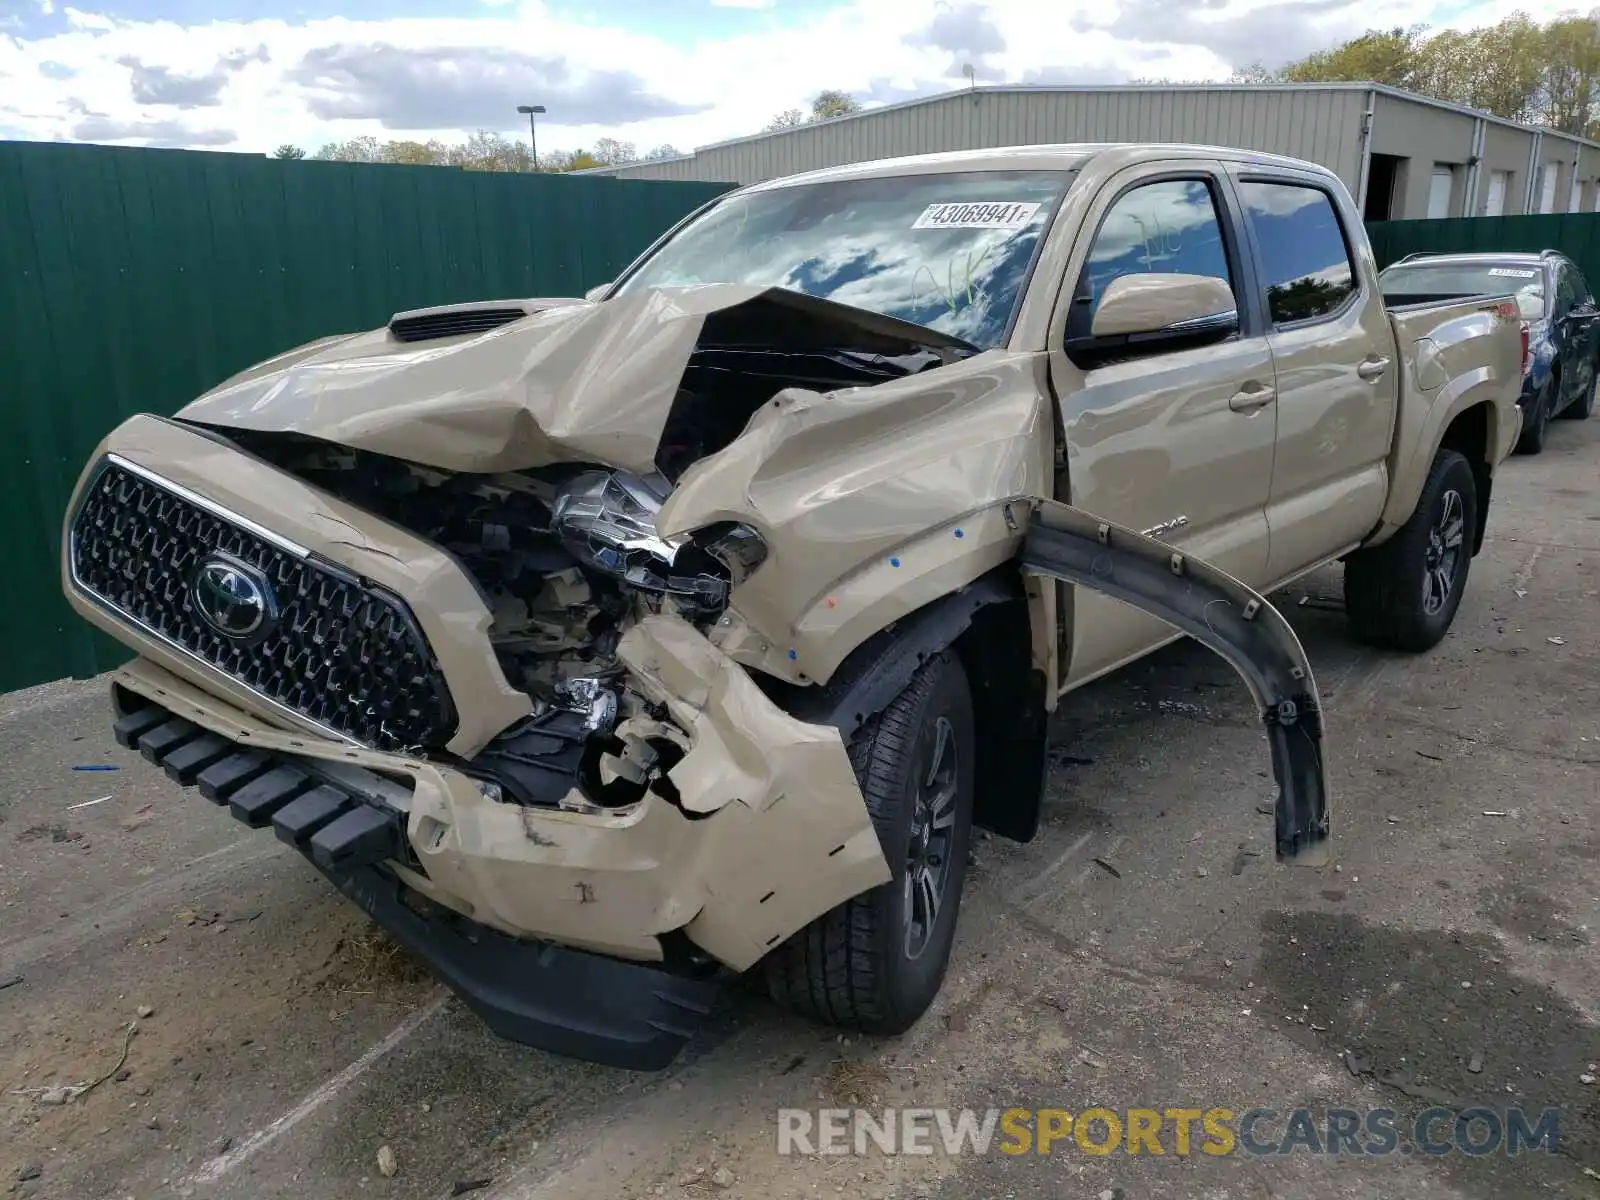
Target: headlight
<point>607,519</point>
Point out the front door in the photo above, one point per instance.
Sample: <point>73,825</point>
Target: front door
<point>1177,442</point>
<point>1338,378</point>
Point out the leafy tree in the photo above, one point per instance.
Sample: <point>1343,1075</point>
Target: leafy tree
<point>825,105</point>
<point>1519,69</point>
<point>1382,56</point>
<point>416,153</point>
<point>665,150</point>
<point>1254,73</point>
<point>609,152</point>
<point>288,152</point>
<point>569,160</point>
<point>365,148</point>
<point>829,104</point>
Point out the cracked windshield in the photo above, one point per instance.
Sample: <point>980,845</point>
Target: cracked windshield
<point>950,251</point>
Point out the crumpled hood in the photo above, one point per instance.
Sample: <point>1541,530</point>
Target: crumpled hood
<point>574,381</point>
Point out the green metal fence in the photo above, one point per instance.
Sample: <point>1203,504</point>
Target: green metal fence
<point>1577,235</point>
<point>131,280</point>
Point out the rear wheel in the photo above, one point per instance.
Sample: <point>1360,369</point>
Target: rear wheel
<point>1533,433</point>
<point>1403,594</point>
<point>876,962</point>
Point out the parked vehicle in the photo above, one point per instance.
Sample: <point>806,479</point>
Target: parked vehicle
<point>601,649</point>
<point>1558,311</point>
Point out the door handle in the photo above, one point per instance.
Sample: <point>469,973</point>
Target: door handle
<point>1248,398</point>
<point>1372,368</point>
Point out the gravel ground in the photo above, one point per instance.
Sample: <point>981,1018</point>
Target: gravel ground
<point>1143,951</point>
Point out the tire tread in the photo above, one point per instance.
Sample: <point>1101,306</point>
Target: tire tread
<point>828,971</point>
<point>1378,597</point>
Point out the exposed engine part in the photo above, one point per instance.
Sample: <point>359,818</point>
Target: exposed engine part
<point>589,696</point>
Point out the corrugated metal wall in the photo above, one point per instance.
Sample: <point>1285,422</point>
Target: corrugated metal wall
<point>1321,125</point>
<point>1577,235</point>
<point>132,280</point>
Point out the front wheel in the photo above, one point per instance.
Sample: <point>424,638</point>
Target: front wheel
<point>876,962</point>
<point>1580,408</point>
<point>1403,594</point>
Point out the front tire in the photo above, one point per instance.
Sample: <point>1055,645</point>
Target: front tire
<point>876,962</point>
<point>1580,408</point>
<point>1403,594</point>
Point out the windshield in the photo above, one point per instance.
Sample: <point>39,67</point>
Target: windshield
<point>1444,280</point>
<point>951,252</point>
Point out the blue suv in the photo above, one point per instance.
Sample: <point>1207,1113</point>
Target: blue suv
<point>1558,312</point>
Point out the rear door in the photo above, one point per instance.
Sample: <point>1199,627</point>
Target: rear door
<point>1336,369</point>
<point>1572,317</point>
<point>1177,442</point>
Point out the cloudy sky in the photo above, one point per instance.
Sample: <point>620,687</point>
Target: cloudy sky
<point>248,75</point>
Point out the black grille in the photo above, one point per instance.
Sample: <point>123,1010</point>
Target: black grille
<point>452,324</point>
<point>346,655</point>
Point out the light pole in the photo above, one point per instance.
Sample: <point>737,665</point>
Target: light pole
<point>533,137</point>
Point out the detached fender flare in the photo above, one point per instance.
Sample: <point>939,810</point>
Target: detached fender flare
<point>1235,621</point>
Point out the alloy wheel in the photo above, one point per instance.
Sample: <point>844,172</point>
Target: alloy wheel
<point>933,820</point>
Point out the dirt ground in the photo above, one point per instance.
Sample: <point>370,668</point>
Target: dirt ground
<point>1143,951</point>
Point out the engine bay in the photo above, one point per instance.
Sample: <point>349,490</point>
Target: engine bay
<point>567,557</point>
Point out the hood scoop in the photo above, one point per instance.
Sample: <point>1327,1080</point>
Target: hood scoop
<point>460,320</point>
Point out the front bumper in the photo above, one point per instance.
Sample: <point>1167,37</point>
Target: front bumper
<point>770,829</point>
<point>774,839</point>
<point>569,1002</point>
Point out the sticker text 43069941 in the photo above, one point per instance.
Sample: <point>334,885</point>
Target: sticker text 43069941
<point>976,214</point>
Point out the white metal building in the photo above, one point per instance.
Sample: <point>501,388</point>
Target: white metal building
<point>1402,155</point>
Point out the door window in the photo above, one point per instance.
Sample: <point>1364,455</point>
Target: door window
<point>1167,226</point>
<point>1566,291</point>
<point>1305,260</point>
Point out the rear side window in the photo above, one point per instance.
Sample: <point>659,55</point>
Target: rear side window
<point>1305,260</point>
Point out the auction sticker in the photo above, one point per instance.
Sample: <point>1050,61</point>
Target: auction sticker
<point>1512,273</point>
<point>976,214</point>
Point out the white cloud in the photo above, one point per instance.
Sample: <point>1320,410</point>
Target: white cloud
<point>269,81</point>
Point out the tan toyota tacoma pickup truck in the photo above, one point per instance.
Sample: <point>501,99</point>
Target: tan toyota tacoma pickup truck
<point>604,648</point>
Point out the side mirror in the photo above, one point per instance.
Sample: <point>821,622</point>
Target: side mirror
<point>598,290</point>
<point>1155,307</point>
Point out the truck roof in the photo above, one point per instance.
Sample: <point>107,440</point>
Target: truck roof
<point>1431,258</point>
<point>1064,156</point>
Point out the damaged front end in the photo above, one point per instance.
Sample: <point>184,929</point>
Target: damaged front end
<point>561,624</point>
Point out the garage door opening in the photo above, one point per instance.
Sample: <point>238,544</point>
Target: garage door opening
<point>1381,173</point>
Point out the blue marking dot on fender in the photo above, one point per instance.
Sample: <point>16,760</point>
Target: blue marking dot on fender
<point>793,656</point>
<point>961,533</point>
<point>894,562</point>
